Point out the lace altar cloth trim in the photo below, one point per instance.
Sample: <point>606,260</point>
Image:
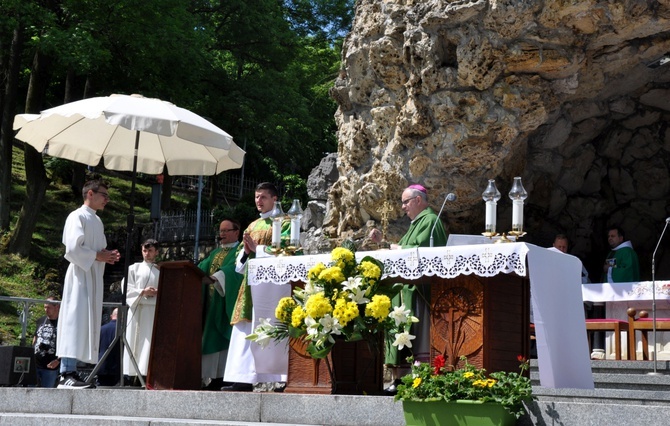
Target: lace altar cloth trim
<point>485,260</point>
<point>625,292</point>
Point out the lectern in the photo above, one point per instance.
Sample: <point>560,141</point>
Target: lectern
<point>175,358</point>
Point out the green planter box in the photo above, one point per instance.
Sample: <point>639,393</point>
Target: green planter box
<point>456,413</point>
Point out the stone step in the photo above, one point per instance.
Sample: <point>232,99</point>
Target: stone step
<point>634,375</point>
<point>228,407</point>
<point>30,419</point>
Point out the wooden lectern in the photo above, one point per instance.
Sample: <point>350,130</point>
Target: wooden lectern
<point>175,358</point>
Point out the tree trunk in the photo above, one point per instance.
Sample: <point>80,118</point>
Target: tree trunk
<point>36,178</point>
<point>6,132</point>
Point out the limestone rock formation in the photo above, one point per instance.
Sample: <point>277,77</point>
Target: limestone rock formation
<point>571,95</point>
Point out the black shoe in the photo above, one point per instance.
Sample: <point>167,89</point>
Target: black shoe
<point>214,385</point>
<point>71,380</point>
<point>239,387</point>
<point>393,389</point>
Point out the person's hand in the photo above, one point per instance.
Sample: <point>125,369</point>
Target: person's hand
<point>108,256</point>
<point>376,235</point>
<point>207,280</point>
<point>53,364</point>
<point>150,292</point>
<point>249,243</point>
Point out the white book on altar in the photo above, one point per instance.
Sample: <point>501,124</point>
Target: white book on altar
<point>466,240</point>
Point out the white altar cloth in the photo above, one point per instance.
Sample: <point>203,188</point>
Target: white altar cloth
<point>618,297</point>
<point>555,281</point>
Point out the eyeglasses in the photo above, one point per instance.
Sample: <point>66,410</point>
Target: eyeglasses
<point>221,231</point>
<point>405,202</point>
<point>104,194</point>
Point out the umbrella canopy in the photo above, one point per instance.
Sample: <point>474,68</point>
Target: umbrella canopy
<point>106,128</point>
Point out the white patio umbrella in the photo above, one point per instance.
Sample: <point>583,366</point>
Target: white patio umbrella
<point>131,133</point>
<point>107,127</point>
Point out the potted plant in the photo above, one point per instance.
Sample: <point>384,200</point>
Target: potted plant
<point>441,395</point>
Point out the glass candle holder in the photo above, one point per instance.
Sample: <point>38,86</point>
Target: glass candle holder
<point>517,194</point>
<point>491,195</point>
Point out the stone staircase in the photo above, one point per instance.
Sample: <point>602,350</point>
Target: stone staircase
<point>624,394</point>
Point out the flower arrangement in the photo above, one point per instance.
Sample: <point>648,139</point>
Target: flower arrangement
<point>343,299</point>
<point>437,382</point>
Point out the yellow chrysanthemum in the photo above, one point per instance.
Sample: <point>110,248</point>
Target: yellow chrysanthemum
<point>298,316</point>
<point>468,374</point>
<point>332,275</point>
<point>314,272</point>
<point>490,382</point>
<point>345,311</point>
<point>317,306</point>
<point>284,309</point>
<point>416,382</point>
<point>369,270</point>
<point>342,254</point>
<point>480,383</point>
<point>379,307</point>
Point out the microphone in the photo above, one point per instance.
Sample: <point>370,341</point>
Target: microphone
<point>667,220</point>
<point>450,197</point>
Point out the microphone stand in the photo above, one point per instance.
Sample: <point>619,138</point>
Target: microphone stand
<point>450,197</point>
<point>653,303</point>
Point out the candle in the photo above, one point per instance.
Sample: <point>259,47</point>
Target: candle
<point>491,195</point>
<point>490,216</point>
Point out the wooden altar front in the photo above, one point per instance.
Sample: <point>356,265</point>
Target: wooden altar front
<point>480,302</point>
<point>486,320</point>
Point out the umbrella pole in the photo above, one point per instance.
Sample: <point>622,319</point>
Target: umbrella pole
<point>121,321</point>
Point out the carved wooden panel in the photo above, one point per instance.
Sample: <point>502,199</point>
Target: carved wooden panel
<point>456,319</point>
<point>484,319</point>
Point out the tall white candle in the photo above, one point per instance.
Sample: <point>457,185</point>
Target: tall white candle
<point>295,231</point>
<point>517,215</point>
<point>276,233</point>
<point>490,225</point>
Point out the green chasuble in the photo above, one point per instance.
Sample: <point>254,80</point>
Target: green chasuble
<point>626,267</point>
<point>217,310</point>
<point>261,231</point>
<point>418,235</point>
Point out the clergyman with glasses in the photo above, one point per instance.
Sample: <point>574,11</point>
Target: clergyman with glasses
<point>218,303</point>
<point>414,202</point>
<point>81,309</point>
<point>141,301</point>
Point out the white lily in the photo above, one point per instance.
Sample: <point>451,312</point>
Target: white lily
<point>358,295</point>
<point>263,339</point>
<point>352,283</point>
<point>312,328</point>
<point>399,314</point>
<point>403,339</point>
<point>330,325</point>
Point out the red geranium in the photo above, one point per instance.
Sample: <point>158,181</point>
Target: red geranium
<point>438,363</point>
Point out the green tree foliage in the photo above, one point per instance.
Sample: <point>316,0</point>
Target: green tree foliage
<point>259,69</point>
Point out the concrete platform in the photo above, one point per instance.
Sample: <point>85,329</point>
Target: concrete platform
<point>625,394</point>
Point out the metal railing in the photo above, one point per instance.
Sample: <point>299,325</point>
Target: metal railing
<point>181,226</point>
<point>24,312</point>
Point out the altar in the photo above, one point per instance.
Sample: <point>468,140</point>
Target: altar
<point>555,278</point>
<point>618,297</point>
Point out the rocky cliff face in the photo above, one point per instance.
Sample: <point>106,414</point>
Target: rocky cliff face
<point>569,95</point>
